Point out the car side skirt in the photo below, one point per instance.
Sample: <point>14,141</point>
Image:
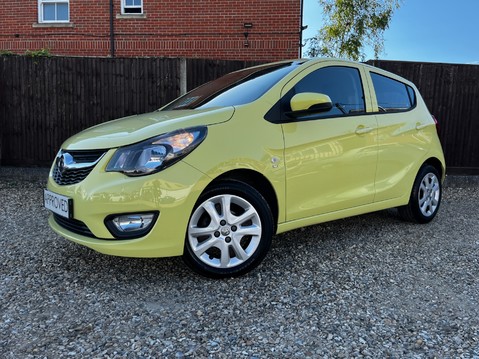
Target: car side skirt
<point>331,216</point>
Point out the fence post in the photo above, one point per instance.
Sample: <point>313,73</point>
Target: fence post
<point>183,77</point>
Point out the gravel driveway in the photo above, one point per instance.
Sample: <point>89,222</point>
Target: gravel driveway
<point>368,286</point>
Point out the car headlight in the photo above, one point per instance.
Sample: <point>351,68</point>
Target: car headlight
<point>157,153</point>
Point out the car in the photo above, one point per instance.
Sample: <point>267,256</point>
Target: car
<point>215,174</point>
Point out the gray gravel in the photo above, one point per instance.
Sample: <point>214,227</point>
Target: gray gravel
<point>368,286</point>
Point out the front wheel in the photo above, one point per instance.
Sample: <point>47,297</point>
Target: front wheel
<point>425,196</point>
<point>229,232</point>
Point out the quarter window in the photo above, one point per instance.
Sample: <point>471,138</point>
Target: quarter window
<point>392,95</point>
<point>342,84</point>
<point>53,11</point>
<point>132,6</point>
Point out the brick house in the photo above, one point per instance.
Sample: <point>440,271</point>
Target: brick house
<point>258,30</point>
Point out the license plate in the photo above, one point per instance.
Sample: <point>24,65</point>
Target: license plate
<point>58,204</point>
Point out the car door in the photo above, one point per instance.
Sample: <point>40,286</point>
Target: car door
<point>330,156</point>
<point>403,137</point>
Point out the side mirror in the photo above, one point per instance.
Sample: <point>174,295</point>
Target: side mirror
<point>309,102</point>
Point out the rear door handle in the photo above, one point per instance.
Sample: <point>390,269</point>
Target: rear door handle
<point>420,126</point>
<point>361,130</point>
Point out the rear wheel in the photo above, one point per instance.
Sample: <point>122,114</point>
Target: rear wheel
<point>229,232</point>
<point>425,196</point>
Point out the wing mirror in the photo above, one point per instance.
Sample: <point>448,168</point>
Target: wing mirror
<point>309,102</point>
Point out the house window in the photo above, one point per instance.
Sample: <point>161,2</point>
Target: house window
<point>132,6</point>
<point>53,11</point>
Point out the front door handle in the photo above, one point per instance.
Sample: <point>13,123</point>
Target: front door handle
<point>361,130</point>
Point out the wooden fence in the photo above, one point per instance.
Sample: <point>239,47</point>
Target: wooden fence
<point>43,101</point>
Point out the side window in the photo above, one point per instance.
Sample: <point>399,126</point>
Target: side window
<point>51,11</point>
<point>342,84</point>
<point>392,95</point>
<point>131,7</point>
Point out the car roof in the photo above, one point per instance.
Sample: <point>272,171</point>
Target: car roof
<point>378,70</point>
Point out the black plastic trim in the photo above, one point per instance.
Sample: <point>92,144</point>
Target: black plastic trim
<point>73,225</point>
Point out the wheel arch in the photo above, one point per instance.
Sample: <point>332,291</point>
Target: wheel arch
<point>256,180</point>
<point>437,164</point>
<point>424,203</point>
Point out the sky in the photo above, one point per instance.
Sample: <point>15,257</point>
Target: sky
<point>422,30</point>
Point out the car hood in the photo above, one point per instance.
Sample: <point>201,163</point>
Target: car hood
<point>132,129</point>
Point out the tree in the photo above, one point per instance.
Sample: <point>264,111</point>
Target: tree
<point>350,25</point>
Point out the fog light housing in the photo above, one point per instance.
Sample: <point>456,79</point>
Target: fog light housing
<point>131,225</point>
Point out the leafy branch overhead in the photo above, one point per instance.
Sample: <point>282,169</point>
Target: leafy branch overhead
<point>351,25</point>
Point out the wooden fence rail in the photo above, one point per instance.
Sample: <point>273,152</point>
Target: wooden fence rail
<point>43,101</point>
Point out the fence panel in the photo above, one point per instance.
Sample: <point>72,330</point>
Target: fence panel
<point>46,100</point>
<point>43,101</point>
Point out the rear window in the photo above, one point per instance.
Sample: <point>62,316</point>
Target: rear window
<point>393,95</point>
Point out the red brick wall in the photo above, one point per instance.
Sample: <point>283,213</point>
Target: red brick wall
<point>170,28</point>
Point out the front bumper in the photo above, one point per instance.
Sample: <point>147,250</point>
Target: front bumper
<point>172,192</point>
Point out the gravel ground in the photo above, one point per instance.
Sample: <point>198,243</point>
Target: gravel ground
<point>368,286</point>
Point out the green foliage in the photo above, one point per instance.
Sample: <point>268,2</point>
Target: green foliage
<point>38,53</point>
<point>6,53</point>
<point>350,25</point>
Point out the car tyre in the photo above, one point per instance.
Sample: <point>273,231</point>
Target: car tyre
<point>229,232</point>
<point>425,196</point>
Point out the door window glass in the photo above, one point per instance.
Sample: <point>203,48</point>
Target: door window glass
<point>342,84</point>
<point>392,95</point>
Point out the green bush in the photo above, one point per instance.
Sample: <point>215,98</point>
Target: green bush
<point>38,53</point>
<point>6,53</point>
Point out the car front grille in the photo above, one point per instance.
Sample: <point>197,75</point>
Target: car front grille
<point>73,225</point>
<point>72,167</point>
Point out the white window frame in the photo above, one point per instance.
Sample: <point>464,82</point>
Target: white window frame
<point>40,11</point>
<point>124,7</point>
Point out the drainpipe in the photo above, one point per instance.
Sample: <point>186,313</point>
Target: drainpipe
<point>112,31</point>
<point>301,31</point>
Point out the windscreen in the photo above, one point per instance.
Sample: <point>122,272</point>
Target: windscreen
<point>236,88</point>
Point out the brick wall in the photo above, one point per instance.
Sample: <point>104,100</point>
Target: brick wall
<point>169,28</point>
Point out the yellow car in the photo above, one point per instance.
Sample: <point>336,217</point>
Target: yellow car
<point>216,173</point>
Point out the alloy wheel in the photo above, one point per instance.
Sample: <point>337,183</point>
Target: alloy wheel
<point>224,231</point>
<point>429,194</point>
